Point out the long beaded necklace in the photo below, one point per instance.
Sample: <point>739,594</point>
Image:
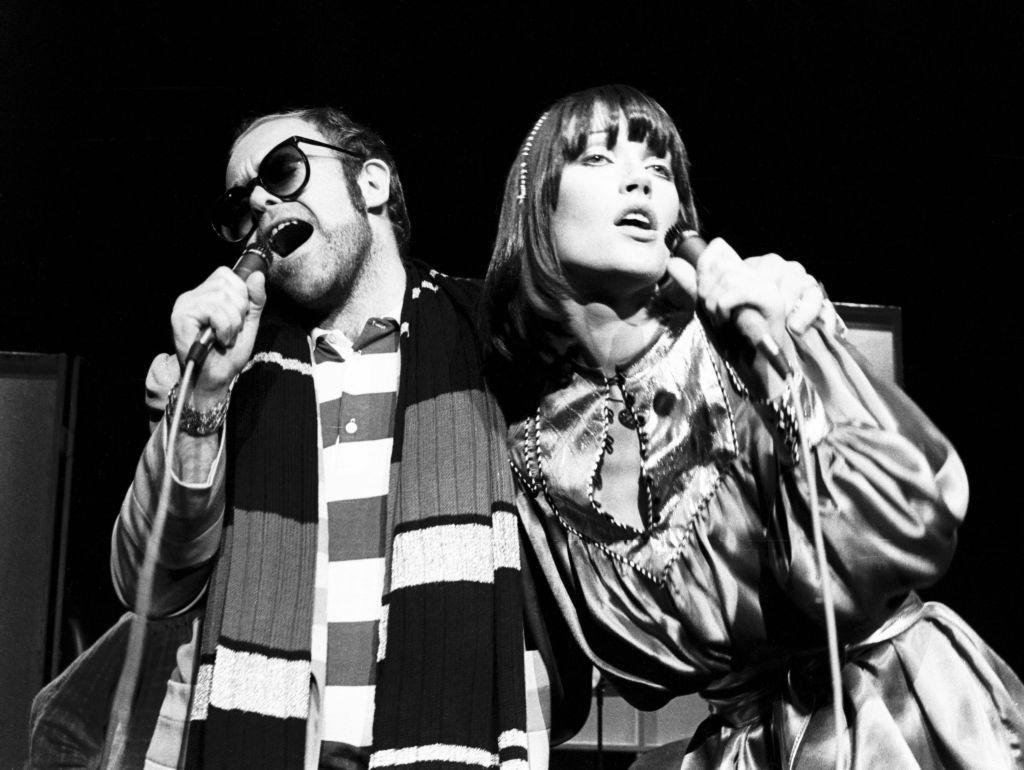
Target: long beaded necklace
<point>629,419</point>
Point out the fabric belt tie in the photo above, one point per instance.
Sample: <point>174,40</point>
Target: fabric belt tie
<point>740,698</point>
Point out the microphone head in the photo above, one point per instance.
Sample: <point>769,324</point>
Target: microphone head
<point>684,243</point>
<point>256,257</point>
<point>672,235</point>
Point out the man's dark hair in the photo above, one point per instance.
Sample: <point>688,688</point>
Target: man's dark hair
<point>339,129</point>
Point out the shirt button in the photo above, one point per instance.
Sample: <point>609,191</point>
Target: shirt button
<point>351,426</point>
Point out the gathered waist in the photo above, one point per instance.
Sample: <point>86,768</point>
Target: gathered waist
<point>742,697</point>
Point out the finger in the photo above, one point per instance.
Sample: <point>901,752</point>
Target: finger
<point>229,297</point>
<point>718,264</point>
<point>807,308</point>
<point>187,316</point>
<point>225,328</point>
<point>759,296</point>
<point>717,258</point>
<point>223,273</point>
<point>791,278</point>
<point>222,278</point>
<point>771,266</point>
<point>225,322</point>
<point>683,275</point>
<point>256,287</point>
<point>742,285</point>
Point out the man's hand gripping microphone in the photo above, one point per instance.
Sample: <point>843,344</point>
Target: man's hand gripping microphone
<point>255,258</point>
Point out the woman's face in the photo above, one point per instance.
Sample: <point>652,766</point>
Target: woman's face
<point>614,206</point>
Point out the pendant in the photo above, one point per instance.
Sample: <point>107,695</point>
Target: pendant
<point>626,419</point>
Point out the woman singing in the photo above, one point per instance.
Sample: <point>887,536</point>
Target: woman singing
<point>661,485</point>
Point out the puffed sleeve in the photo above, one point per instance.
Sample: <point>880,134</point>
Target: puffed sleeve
<point>891,489</point>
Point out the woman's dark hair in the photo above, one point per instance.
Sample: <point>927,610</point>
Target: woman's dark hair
<point>339,129</point>
<point>525,284</point>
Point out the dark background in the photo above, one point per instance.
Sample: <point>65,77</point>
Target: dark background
<point>878,143</point>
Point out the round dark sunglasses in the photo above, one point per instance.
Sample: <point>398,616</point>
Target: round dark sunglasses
<point>283,172</point>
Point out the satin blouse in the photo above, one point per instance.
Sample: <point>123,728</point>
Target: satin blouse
<point>719,592</point>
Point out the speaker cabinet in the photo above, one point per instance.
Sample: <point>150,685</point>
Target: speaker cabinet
<point>37,422</point>
<point>613,725</point>
<point>877,333</point>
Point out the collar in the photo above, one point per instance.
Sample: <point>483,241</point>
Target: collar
<point>375,329</point>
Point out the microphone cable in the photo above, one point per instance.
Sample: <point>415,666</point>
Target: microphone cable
<point>256,257</point>
<point>828,606</point>
<point>116,740</point>
<point>688,245</point>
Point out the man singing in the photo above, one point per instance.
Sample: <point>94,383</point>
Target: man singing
<point>342,498</point>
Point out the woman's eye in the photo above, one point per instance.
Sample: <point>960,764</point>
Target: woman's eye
<point>594,158</point>
<point>661,169</point>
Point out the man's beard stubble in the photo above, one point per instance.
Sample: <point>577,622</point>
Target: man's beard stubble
<point>322,283</point>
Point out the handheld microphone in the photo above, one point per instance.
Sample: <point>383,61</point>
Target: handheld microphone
<point>255,258</point>
<point>688,245</point>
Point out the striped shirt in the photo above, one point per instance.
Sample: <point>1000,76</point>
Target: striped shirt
<point>356,391</point>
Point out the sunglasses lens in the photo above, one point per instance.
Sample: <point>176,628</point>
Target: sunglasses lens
<point>231,215</point>
<point>283,172</point>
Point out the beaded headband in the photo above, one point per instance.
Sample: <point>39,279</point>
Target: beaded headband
<point>527,146</point>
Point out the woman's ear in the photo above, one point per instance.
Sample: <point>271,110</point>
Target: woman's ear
<point>375,183</point>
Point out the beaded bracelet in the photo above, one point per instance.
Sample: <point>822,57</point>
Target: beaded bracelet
<point>197,422</point>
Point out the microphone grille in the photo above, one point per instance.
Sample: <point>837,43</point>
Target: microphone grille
<point>678,233</point>
<point>256,256</point>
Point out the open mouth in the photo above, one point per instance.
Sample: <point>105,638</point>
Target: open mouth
<point>287,236</point>
<point>637,219</point>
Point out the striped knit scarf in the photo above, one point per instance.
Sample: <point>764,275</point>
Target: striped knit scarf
<point>450,665</point>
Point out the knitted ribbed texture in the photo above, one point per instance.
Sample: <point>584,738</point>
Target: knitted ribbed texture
<point>450,671</point>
